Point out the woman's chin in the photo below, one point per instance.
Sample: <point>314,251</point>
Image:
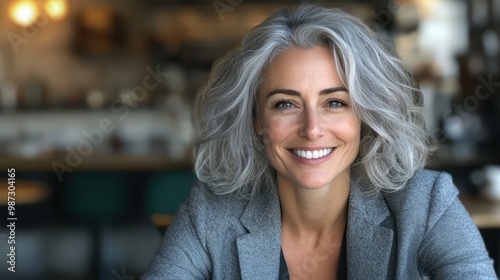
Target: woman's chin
<point>320,182</point>
<point>313,185</point>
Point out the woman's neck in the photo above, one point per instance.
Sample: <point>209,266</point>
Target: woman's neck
<point>314,212</point>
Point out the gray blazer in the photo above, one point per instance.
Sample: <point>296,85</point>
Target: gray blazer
<point>418,232</point>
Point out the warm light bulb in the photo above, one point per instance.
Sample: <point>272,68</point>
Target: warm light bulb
<point>23,12</point>
<point>56,9</point>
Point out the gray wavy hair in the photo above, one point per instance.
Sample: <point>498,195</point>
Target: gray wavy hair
<point>230,156</point>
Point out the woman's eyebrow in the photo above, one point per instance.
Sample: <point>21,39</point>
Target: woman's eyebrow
<point>296,93</point>
<point>283,91</point>
<point>332,90</point>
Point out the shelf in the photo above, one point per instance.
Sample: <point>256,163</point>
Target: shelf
<point>98,162</point>
<point>452,162</point>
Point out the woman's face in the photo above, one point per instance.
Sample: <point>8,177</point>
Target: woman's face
<point>311,133</point>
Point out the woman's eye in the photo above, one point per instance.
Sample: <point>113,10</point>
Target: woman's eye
<point>336,103</point>
<point>284,105</point>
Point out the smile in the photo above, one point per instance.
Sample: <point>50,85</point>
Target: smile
<point>313,154</point>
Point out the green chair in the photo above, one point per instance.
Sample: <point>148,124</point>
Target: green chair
<point>165,193</point>
<point>95,199</point>
<point>97,196</point>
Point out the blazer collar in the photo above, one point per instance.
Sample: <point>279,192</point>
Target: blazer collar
<point>369,236</point>
<point>262,219</point>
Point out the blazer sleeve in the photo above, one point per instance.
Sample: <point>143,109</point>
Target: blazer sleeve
<point>452,247</point>
<point>182,254</point>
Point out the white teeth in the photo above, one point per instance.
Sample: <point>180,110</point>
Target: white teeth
<point>313,154</point>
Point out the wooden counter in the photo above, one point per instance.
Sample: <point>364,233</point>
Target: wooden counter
<point>485,213</point>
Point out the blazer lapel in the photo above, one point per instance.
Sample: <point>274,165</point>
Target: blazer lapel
<point>369,236</point>
<point>259,249</point>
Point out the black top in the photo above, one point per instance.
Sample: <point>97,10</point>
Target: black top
<point>341,273</point>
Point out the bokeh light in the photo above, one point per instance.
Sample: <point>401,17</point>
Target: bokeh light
<point>56,9</point>
<point>23,12</point>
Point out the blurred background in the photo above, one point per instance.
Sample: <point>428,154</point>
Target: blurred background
<point>95,115</point>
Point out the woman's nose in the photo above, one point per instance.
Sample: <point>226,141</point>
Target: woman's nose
<point>311,127</point>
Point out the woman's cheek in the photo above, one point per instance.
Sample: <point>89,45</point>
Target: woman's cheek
<point>278,128</point>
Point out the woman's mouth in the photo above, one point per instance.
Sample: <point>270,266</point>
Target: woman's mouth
<point>311,154</point>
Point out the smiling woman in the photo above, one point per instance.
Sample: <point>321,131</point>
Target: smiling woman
<point>312,139</point>
<point>310,166</point>
<point>305,111</point>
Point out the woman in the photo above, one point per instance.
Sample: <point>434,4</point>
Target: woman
<point>310,166</point>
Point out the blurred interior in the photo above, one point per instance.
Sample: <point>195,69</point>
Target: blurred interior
<point>95,114</point>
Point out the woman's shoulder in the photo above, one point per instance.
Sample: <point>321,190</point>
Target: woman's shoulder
<point>212,213</point>
<point>426,185</point>
<point>426,196</point>
<point>202,200</point>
